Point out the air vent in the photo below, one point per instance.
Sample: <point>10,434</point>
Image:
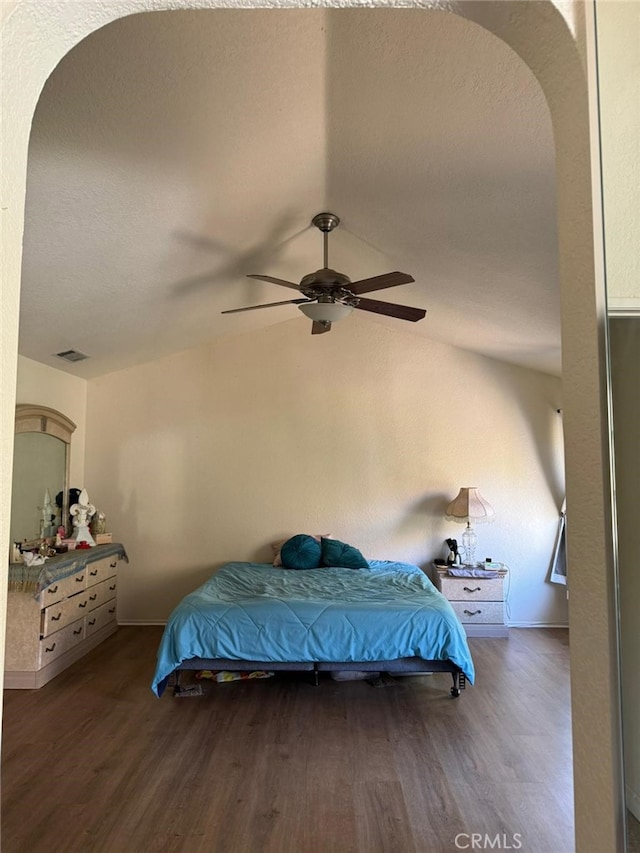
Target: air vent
<point>72,355</point>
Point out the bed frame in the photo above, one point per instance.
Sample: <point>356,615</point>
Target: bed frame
<point>413,665</point>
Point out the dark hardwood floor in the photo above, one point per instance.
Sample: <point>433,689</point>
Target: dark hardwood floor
<point>94,762</point>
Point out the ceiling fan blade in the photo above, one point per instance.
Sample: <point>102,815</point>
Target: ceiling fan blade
<point>276,280</point>
<point>379,282</point>
<point>267,305</point>
<point>390,309</point>
<point>318,328</point>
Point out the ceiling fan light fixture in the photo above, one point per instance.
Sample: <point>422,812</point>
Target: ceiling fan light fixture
<point>325,312</point>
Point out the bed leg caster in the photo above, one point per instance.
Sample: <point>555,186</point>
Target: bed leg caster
<point>316,677</point>
<point>176,684</point>
<point>459,683</point>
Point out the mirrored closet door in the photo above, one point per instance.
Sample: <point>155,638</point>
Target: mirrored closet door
<point>624,345</point>
<point>618,58</point>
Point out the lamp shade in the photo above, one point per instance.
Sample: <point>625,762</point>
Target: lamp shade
<point>469,505</point>
<point>325,312</point>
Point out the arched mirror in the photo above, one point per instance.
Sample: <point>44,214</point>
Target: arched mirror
<point>41,455</point>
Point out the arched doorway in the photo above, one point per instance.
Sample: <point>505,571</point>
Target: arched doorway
<point>541,36</point>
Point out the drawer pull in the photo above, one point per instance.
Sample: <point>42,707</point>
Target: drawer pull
<point>78,631</point>
<point>93,597</point>
<point>472,612</point>
<point>84,604</point>
<point>53,589</point>
<point>112,610</point>
<point>468,589</point>
<point>50,649</point>
<point>56,618</point>
<point>93,573</point>
<point>92,622</point>
<point>113,565</point>
<point>111,588</point>
<point>80,579</point>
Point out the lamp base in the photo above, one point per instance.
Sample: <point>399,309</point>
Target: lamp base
<point>469,542</point>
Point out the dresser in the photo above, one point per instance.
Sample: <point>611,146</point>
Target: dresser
<point>59,612</point>
<point>478,602</point>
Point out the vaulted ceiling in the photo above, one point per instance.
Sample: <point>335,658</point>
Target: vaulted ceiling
<point>173,153</point>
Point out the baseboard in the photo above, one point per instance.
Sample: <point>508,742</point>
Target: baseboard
<point>633,802</point>
<point>150,623</point>
<point>623,306</point>
<point>485,630</point>
<point>142,623</point>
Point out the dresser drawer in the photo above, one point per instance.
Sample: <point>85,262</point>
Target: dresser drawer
<point>101,570</point>
<point>58,643</point>
<point>100,617</point>
<point>479,611</point>
<point>472,589</point>
<point>56,616</point>
<point>102,592</point>
<point>63,588</point>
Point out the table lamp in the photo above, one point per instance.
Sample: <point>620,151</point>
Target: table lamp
<point>469,506</point>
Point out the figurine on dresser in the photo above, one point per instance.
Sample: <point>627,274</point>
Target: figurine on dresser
<point>81,513</point>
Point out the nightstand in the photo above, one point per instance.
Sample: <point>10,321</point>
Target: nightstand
<point>478,602</point>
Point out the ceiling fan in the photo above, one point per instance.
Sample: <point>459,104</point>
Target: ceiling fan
<point>328,296</point>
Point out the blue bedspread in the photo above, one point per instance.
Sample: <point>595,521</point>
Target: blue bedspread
<point>254,611</point>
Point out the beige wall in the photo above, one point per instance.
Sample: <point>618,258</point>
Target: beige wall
<point>210,455</point>
<point>619,84</point>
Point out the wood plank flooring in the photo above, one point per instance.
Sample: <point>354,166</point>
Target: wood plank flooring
<point>94,763</point>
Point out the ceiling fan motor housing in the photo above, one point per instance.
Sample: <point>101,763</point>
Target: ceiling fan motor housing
<point>325,282</point>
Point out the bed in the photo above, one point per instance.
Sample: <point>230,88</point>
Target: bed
<point>388,617</point>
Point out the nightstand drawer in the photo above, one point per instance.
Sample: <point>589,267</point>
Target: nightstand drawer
<point>482,612</point>
<point>471,589</point>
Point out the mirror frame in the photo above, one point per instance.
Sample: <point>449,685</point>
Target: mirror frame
<point>32,418</point>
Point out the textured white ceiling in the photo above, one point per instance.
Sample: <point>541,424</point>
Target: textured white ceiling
<point>173,153</point>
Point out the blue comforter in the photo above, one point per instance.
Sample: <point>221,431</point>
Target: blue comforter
<point>253,611</point>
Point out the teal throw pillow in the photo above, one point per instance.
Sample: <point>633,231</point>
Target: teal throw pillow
<point>336,553</point>
<point>301,552</point>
